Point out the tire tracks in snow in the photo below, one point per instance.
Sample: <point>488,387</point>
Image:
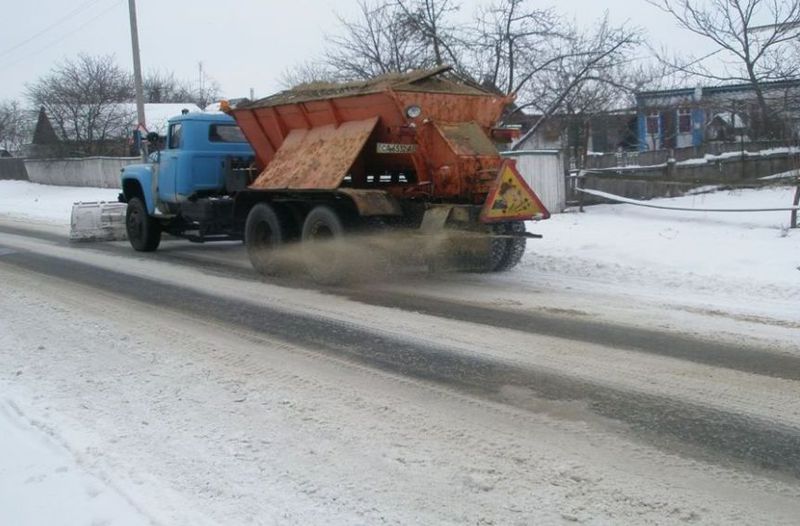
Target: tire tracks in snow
<point>712,432</point>
<point>744,358</point>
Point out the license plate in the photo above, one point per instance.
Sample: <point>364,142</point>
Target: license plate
<point>386,147</point>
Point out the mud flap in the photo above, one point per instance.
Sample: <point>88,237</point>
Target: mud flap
<point>98,221</point>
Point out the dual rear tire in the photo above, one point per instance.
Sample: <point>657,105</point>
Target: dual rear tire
<point>498,248</point>
<point>323,252</point>
<point>320,250</point>
<point>514,247</point>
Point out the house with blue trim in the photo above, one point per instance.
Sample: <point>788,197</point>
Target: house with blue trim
<point>692,117</point>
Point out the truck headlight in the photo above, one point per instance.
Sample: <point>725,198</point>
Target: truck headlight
<point>413,111</point>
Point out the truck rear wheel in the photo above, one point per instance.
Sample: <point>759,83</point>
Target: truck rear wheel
<point>323,254</point>
<point>490,255</point>
<point>263,237</point>
<point>144,232</point>
<point>468,251</point>
<point>514,246</point>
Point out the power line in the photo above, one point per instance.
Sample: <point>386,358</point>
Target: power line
<point>58,22</point>
<point>64,36</point>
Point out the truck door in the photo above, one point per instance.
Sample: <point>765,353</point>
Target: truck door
<point>170,158</point>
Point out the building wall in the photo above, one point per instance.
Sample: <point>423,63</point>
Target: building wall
<point>102,172</point>
<point>669,133</point>
<point>704,104</point>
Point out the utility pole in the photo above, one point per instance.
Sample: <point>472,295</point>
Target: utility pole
<point>137,79</point>
<point>201,97</point>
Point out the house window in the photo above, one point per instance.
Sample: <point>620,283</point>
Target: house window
<point>653,120</point>
<point>684,120</point>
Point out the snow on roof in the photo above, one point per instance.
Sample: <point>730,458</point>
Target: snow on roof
<point>157,115</point>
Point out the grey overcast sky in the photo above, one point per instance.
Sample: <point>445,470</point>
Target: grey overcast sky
<point>242,44</point>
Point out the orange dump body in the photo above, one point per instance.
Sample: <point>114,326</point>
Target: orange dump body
<point>363,136</point>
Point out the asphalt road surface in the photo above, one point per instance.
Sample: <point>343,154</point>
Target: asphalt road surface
<point>566,408</point>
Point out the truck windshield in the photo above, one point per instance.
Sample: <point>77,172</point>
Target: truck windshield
<point>225,133</point>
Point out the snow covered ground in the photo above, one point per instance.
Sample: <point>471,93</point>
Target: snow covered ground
<point>733,258</point>
<point>21,200</point>
<point>114,395</point>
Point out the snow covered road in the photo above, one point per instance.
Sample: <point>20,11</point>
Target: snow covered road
<point>302,406</point>
<point>180,388</point>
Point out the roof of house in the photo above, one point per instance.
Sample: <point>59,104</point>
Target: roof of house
<point>43,132</point>
<point>157,115</point>
<point>725,88</point>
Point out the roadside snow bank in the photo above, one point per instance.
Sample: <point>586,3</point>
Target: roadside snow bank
<point>44,203</point>
<point>736,252</point>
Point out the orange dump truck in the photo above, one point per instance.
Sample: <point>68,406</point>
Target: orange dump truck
<point>413,152</point>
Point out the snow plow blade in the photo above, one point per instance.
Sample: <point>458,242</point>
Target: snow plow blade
<point>98,221</point>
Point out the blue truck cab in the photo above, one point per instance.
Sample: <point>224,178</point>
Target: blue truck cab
<point>188,184</point>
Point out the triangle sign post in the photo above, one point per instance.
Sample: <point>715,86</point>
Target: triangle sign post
<point>511,199</point>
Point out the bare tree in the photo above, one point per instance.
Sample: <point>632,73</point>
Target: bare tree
<point>162,87</point>
<point>382,40</point>
<point>753,39</point>
<point>431,24</point>
<point>309,72</point>
<point>84,99</point>
<point>14,125</point>
<point>207,92</point>
<point>511,43</point>
<point>587,74</point>
<point>513,48</point>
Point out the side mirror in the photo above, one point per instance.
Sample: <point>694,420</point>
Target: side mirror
<point>152,138</point>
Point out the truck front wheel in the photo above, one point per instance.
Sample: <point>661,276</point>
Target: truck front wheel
<point>144,232</point>
<point>263,236</point>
